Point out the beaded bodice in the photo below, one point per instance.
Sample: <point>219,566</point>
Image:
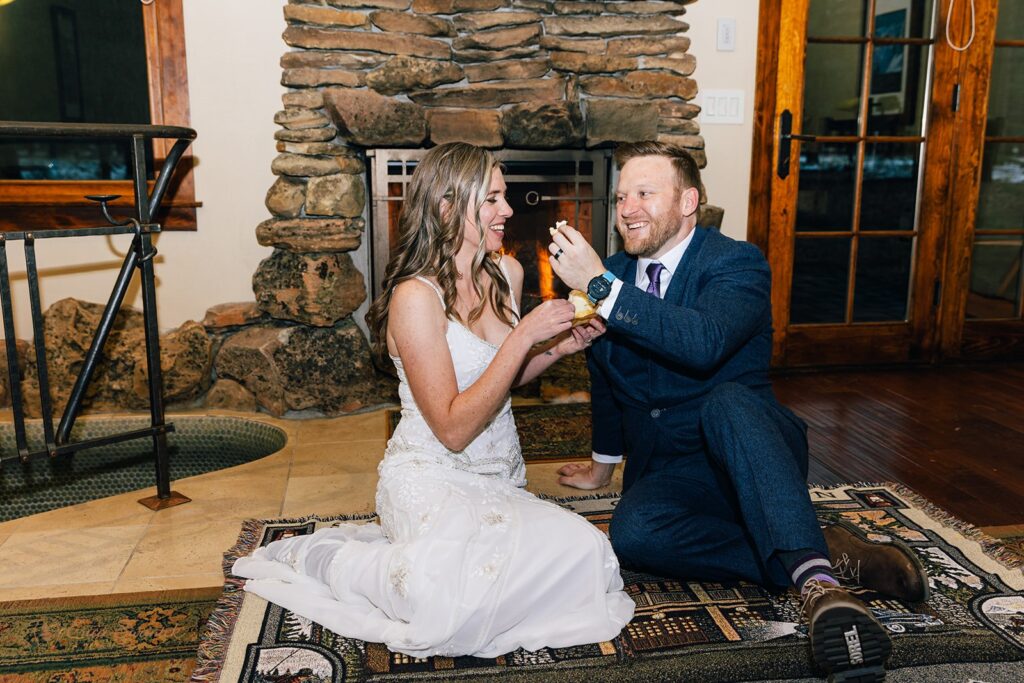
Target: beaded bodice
<point>494,453</point>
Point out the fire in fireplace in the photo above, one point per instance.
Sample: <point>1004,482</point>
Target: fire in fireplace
<point>543,188</point>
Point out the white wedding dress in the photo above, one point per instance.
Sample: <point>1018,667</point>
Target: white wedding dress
<point>464,561</point>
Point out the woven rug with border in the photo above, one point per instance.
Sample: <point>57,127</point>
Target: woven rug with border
<point>150,636</point>
<point>971,627</point>
<point>548,432</point>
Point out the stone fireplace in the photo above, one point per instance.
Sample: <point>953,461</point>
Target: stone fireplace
<point>550,85</point>
<point>543,188</point>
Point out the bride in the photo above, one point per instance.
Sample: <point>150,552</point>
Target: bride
<point>464,561</point>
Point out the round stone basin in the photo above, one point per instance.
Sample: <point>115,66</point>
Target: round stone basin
<point>199,444</point>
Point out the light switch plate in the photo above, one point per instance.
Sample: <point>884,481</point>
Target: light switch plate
<point>721,106</point>
<point>726,34</point>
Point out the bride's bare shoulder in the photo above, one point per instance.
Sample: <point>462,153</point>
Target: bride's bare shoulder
<point>414,302</point>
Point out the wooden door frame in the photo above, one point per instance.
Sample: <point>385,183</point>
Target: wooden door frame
<point>937,327</point>
<point>958,337</point>
<point>762,158</point>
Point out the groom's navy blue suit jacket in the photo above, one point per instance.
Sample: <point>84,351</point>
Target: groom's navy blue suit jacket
<point>653,369</point>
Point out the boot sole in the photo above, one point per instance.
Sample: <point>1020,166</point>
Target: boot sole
<point>850,646</point>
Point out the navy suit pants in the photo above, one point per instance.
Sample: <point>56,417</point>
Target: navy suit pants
<point>724,512</point>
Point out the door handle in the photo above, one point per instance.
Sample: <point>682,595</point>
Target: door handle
<point>786,137</point>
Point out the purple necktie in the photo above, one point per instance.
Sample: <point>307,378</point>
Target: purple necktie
<point>654,276</point>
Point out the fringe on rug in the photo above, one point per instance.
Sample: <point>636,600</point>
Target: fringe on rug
<point>993,547</point>
<point>573,499</point>
<point>216,636</point>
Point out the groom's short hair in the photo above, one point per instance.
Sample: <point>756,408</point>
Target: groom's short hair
<point>687,171</point>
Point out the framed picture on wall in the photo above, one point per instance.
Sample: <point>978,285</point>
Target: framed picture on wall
<point>889,68</point>
<point>895,66</point>
<point>69,79</point>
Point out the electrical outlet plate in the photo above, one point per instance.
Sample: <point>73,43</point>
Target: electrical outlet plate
<point>721,106</point>
<point>726,41</point>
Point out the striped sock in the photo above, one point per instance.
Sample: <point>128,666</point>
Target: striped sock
<point>805,565</point>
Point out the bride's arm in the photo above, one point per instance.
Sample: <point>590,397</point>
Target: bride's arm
<point>417,326</point>
<point>540,358</point>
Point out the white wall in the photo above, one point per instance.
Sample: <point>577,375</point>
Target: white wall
<point>233,49</point>
<point>727,176</point>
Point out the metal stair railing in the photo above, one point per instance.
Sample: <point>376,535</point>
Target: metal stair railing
<point>139,256</point>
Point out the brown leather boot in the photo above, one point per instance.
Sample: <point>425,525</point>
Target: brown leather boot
<point>846,640</point>
<point>888,568</point>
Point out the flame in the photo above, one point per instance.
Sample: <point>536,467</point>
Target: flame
<point>545,276</point>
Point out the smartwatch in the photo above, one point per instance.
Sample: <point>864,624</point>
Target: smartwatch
<point>600,287</point>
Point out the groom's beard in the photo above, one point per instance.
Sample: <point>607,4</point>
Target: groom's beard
<point>659,232</point>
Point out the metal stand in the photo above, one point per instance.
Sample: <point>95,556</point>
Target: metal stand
<point>140,257</point>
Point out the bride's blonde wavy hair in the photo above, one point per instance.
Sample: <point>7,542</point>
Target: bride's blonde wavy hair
<point>430,233</point>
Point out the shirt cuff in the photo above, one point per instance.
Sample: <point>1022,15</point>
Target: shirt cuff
<point>608,303</point>
<point>605,459</point>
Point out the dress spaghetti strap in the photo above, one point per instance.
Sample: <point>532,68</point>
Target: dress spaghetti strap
<point>437,290</point>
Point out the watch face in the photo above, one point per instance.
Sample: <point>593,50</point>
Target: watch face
<point>598,288</point>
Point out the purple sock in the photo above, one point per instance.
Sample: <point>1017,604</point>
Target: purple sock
<point>806,565</point>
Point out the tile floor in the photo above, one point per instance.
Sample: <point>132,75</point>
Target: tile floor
<point>115,545</point>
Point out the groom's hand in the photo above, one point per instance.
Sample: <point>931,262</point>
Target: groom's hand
<point>577,262</point>
<point>586,476</point>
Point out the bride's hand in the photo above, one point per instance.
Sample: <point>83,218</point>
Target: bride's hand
<point>581,336</point>
<point>547,320</point>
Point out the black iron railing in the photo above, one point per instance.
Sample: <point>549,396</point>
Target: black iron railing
<point>139,256</point>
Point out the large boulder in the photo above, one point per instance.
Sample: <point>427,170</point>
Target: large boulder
<point>120,380</point>
<point>296,367</point>
<point>315,288</point>
<point>228,394</point>
<point>5,381</point>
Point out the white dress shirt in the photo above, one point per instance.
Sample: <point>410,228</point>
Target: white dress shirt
<point>670,260</point>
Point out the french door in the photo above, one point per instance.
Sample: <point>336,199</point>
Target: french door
<point>890,238</point>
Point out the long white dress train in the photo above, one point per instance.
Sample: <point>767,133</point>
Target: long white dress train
<point>464,561</point>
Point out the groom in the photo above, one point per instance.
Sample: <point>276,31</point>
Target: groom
<point>715,482</point>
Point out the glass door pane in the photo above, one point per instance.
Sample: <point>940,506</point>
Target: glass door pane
<point>866,76</point>
<point>996,282</point>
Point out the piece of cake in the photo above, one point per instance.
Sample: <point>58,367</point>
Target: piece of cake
<point>558,225</point>
<point>585,310</point>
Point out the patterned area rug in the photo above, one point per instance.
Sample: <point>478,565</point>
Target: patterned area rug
<point>548,432</point>
<point>972,627</point>
<point>132,637</point>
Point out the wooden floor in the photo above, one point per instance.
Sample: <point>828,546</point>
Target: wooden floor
<point>953,434</point>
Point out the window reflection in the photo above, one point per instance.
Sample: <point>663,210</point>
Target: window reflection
<point>825,195</point>
<point>995,278</point>
<point>1001,196</point>
<point>81,61</point>
<point>889,195</point>
<point>820,274</point>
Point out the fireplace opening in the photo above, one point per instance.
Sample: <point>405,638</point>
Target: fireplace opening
<point>543,188</point>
